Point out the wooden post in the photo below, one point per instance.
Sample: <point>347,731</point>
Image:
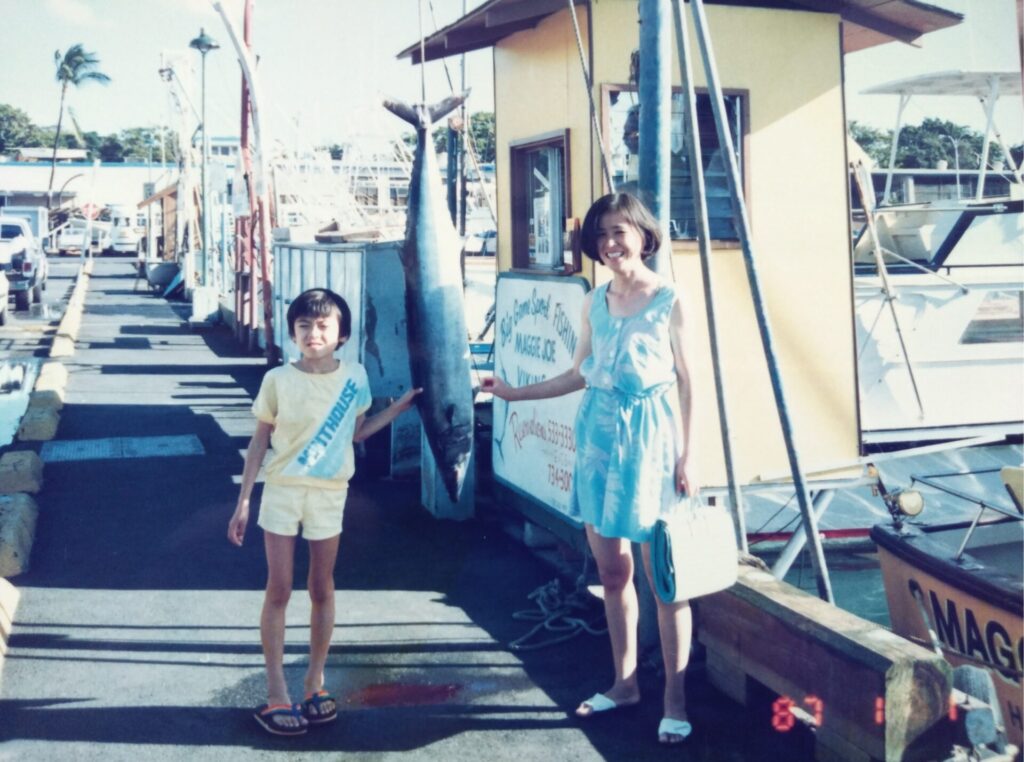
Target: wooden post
<point>873,694</point>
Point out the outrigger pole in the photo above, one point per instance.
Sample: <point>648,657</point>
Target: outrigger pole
<point>691,132</point>
<point>261,191</point>
<point>743,229</point>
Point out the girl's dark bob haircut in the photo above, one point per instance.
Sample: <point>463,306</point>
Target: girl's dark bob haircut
<point>630,207</point>
<point>317,303</point>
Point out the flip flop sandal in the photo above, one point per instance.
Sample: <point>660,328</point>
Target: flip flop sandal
<point>266,716</point>
<point>670,727</point>
<point>311,708</point>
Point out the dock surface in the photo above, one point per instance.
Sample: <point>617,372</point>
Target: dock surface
<point>136,635</point>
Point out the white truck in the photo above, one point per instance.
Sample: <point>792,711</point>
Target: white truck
<point>22,261</point>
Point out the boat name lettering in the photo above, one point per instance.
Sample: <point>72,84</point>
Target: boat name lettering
<point>525,379</point>
<point>530,345</point>
<point>962,632</point>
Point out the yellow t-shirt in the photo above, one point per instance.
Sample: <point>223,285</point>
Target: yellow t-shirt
<point>314,417</point>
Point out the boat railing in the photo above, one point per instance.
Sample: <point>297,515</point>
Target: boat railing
<point>929,480</point>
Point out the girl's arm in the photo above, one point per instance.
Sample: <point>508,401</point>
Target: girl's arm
<point>367,427</point>
<point>564,383</point>
<point>686,470</point>
<point>258,446</point>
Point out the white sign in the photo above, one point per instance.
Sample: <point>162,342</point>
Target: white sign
<point>537,330</point>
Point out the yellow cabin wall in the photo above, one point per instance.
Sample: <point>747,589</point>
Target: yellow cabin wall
<point>789,63</point>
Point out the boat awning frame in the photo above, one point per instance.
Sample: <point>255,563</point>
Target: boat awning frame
<point>170,190</point>
<point>866,23</point>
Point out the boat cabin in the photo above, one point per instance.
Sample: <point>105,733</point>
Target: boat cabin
<point>780,65</point>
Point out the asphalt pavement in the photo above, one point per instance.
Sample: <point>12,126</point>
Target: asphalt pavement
<point>137,632</point>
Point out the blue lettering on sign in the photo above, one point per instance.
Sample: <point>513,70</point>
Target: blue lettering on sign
<point>533,306</point>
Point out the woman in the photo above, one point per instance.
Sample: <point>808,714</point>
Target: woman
<point>633,434</point>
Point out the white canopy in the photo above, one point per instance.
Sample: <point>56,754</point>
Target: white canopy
<point>973,83</point>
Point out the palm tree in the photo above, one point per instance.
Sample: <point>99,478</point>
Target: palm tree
<point>75,67</point>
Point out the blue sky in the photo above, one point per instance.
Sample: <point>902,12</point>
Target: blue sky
<point>325,61</point>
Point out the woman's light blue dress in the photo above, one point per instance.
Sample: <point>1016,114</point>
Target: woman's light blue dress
<point>628,436</point>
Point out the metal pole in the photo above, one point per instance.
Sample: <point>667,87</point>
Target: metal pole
<point>990,110</point>
<point>452,175</point>
<point>796,543</point>
<point>655,153</point>
<point>692,135</point>
<point>904,100</point>
<point>767,340</point>
<point>203,236</point>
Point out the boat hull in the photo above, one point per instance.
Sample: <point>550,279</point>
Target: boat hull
<point>974,607</point>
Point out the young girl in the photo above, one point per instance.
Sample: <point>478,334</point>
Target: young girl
<point>633,434</point>
<point>310,412</point>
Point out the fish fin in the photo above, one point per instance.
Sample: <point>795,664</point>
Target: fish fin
<point>449,104</point>
<point>403,111</point>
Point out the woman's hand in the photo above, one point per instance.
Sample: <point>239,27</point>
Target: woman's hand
<point>497,387</point>
<point>686,478</point>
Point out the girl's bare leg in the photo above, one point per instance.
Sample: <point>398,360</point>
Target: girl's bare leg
<point>615,567</point>
<point>280,551</point>
<point>322,555</point>
<point>675,626</point>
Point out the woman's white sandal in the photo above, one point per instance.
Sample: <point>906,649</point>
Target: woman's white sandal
<point>601,703</point>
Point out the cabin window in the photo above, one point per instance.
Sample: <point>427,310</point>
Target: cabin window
<point>621,122</point>
<point>540,203</point>
<point>999,319</point>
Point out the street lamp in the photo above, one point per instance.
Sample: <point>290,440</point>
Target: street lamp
<point>204,44</point>
<point>956,161</point>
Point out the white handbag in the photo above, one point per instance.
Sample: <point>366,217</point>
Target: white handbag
<point>693,553</point>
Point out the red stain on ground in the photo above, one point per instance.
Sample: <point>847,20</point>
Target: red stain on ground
<point>403,694</point>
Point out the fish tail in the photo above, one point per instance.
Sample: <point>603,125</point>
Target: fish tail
<point>403,111</point>
<point>418,117</point>
<point>446,106</point>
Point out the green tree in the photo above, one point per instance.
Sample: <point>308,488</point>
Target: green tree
<point>481,128</point>
<point>75,67</point>
<point>924,145</point>
<point>875,142</point>
<point>112,150</point>
<point>16,129</point>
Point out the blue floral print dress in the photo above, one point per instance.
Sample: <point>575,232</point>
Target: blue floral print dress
<point>628,435</point>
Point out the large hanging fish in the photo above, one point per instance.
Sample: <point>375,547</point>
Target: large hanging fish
<point>435,313</point>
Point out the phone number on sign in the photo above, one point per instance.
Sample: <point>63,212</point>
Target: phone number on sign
<point>553,432</point>
<point>560,477</point>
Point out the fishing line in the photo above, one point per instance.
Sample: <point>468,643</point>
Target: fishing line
<point>605,163</point>
<point>423,58</point>
<point>467,133</point>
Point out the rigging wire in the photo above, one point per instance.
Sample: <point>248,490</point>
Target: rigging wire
<point>466,131</point>
<point>605,163</point>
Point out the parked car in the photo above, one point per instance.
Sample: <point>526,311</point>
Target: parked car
<point>71,236</point>
<point>22,261</point>
<point>124,238</point>
<point>484,243</point>
<point>5,293</point>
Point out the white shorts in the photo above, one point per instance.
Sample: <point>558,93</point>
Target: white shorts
<point>318,511</point>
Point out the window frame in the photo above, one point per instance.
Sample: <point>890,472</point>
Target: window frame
<point>519,150</point>
<point>691,244</point>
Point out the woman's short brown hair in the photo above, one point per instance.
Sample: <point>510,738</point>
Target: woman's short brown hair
<point>630,207</point>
